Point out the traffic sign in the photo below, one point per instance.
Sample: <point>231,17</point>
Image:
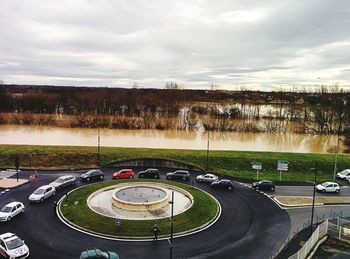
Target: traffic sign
<point>256,165</point>
<point>282,165</point>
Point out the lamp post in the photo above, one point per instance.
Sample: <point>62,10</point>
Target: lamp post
<point>171,224</point>
<point>98,146</point>
<point>336,156</point>
<point>313,201</point>
<point>208,152</point>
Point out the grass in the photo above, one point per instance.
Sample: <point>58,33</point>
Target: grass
<point>75,209</point>
<point>232,163</point>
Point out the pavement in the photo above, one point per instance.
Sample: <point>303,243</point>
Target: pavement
<point>298,201</point>
<point>251,226</point>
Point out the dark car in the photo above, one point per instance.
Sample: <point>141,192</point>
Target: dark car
<point>179,175</point>
<point>149,173</point>
<point>92,175</point>
<point>222,184</point>
<point>264,185</point>
<point>97,253</point>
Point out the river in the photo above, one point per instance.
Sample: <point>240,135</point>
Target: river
<point>169,139</point>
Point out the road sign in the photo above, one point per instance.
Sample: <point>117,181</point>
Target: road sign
<point>256,165</point>
<point>282,165</point>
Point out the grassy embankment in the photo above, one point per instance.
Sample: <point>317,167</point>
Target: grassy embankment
<point>75,209</point>
<point>232,163</point>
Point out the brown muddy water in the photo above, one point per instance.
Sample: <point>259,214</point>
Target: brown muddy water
<point>169,139</point>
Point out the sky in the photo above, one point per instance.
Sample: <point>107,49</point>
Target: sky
<point>199,44</point>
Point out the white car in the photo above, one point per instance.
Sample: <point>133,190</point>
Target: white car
<point>11,246</point>
<point>63,181</point>
<point>207,178</point>
<point>344,175</point>
<point>10,210</point>
<point>328,187</point>
<point>42,193</point>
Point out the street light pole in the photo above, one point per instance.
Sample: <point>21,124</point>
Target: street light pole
<point>313,201</point>
<point>336,157</point>
<point>208,151</point>
<point>172,224</point>
<point>98,146</point>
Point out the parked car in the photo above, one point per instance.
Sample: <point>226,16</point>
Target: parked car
<point>328,187</point>
<point>264,185</point>
<point>63,181</point>
<point>207,178</point>
<point>179,175</point>
<point>92,175</point>
<point>344,175</point>
<point>124,174</point>
<point>11,246</point>
<point>43,192</point>
<point>97,253</point>
<point>149,173</point>
<point>10,210</point>
<point>222,184</point>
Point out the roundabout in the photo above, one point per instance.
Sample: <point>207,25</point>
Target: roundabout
<point>250,225</point>
<point>137,205</point>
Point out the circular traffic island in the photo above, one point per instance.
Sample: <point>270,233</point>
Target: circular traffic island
<point>128,209</point>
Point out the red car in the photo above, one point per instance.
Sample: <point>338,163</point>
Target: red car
<point>124,174</point>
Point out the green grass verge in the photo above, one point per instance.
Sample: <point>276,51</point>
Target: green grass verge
<point>232,163</point>
<point>75,209</point>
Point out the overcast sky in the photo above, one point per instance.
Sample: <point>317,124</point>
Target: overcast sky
<point>257,44</point>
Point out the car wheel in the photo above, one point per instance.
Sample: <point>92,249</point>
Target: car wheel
<point>168,177</point>
<point>53,194</point>
<point>156,176</point>
<point>88,179</point>
<point>22,210</point>
<point>131,177</point>
<point>337,190</point>
<point>229,188</point>
<point>323,190</point>
<point>101,177</point>
<point>257,188</point>
<point>272,188</point>
<point>8,218</point>
<point>42,199</point>
<point>141,175</point>
<point>184,178</point>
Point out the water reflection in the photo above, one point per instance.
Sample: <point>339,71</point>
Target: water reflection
<point>172,139</point>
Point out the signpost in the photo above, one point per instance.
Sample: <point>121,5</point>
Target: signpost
<point>257,166</point>
<point>282,165</point>
<point>17,164</point>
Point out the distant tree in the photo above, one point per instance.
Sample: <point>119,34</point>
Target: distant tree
<point>173,86</point>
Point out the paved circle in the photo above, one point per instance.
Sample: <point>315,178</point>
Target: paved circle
<point>251,226</point>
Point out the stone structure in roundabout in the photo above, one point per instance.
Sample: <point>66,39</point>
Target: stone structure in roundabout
<point>139,200</point>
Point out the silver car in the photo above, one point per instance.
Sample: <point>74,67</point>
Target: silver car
<point>43,192</point>
<point>10,210</point>
<point>63,181</point>
<point>209,178</point>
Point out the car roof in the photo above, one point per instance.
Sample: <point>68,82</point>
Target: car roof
<point>126,169</point>
<point>211,175</point>
<point>225,180</point>
<point>45,186</point>
<point>266,181</point>
<point>65,176</point>
<point>8,236</point>
<point>330,183</point>
<point>184,171</point>
<point>11,204</point>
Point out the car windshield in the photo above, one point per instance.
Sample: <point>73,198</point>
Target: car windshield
<point>6,209</point>
<point>14,243</point>
<point>59,180</point>
<point>39,191</point>
<point>324,184</point>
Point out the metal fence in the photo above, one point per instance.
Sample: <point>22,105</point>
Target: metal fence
<point>319,232</point>
<point>340,229</point>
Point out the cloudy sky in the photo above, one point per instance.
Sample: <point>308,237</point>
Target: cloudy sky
<point>197,43</point>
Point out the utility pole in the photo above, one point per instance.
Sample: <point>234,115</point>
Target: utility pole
<point>208,152</point>
<point>17,164</point>
<point>336,157</point>
<point>98,147</point>
<point>171,225</point>
<point>313,201</point>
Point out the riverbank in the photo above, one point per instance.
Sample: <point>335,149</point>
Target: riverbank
<point>233,163</point>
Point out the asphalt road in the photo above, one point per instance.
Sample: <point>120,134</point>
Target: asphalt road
<point>307,191</point>
<point>251,226</point>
